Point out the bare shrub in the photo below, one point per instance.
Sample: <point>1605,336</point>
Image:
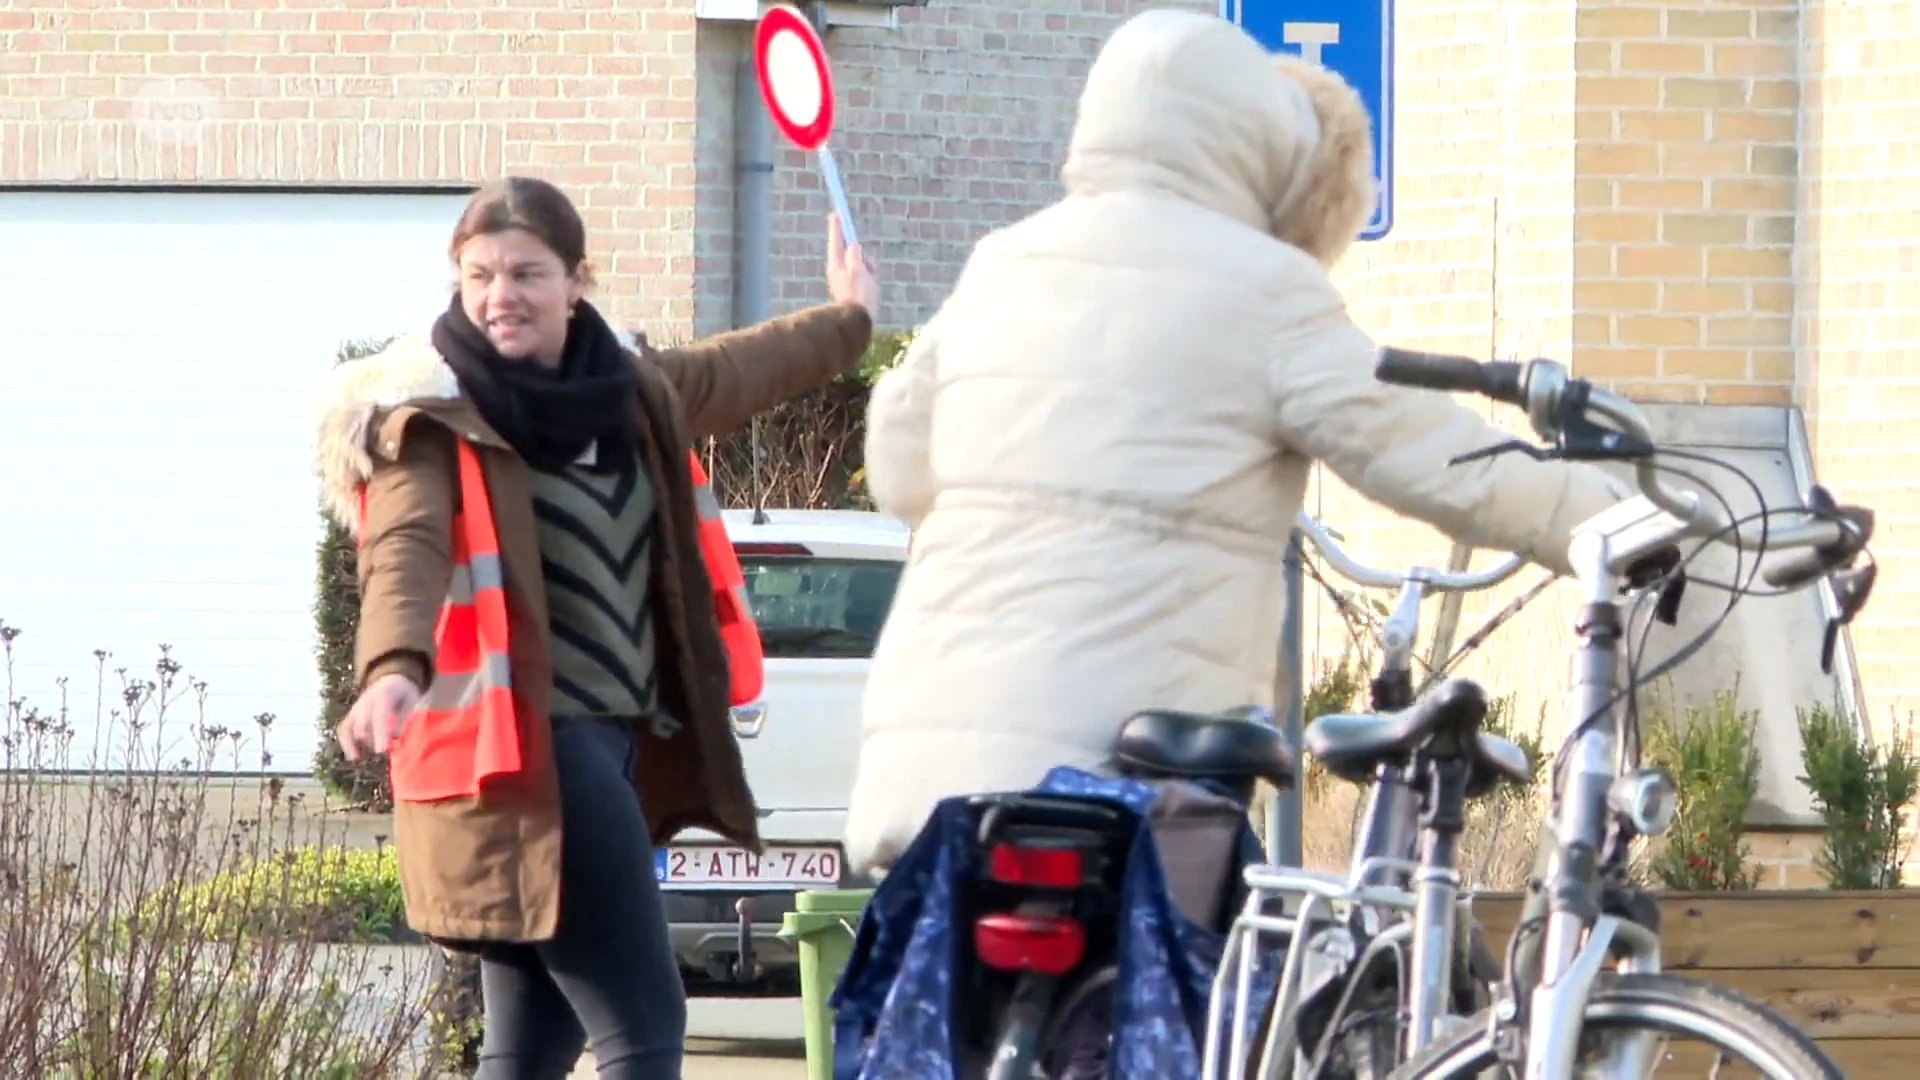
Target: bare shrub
<point>808,453</point>
<point>122,955</point>
<point>1498,846</point>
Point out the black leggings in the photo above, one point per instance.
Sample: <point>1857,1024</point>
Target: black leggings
<point>608,978</point>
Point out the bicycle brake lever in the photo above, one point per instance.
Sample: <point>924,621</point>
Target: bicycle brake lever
<point>1537,453</point>
<point>1660,567</point>
<point>1667,608</point>
<point>1851,588</point>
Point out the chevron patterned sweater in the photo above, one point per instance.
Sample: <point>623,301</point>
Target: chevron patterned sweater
<point>596,531</point>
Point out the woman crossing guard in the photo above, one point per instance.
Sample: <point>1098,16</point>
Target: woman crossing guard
<point>539,648</point>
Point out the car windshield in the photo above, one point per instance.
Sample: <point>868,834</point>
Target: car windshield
<point>819,608</point>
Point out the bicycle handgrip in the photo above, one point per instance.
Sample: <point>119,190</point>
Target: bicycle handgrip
<point>1497,380</point>
<point>1804,566</point>
<point>1796,570</point>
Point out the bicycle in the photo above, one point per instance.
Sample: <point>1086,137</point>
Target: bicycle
<point>1556,1005</point>
<point>1553,999</point>
<point>1052,855</point>
<point>1368,923</point>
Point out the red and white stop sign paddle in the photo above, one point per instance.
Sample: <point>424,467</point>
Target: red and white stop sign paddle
<point>797,86</point>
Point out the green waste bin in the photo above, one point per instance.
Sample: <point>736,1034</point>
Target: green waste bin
<point>821,926</point>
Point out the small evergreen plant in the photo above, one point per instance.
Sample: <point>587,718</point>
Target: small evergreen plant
<point>336,616</point>
<point>1863,793</point>
<point>1710,754</point>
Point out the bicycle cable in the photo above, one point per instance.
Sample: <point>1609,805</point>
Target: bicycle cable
<point>1643,608</point>
<point>1628,691</point>
<point>1636,651</point>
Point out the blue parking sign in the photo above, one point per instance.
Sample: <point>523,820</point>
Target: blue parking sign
<point>1351,37</point>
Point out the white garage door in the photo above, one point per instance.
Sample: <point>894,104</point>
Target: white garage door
<point>158,354</point>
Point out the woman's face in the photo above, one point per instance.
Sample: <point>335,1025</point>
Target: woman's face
<point>518,292</point>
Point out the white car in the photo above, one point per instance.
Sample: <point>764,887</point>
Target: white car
<point>820,583</point>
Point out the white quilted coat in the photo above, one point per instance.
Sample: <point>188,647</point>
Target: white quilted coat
<point>1102,437</point>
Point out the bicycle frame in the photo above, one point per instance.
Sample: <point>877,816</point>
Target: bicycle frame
<point>1577,938</point>
<point>1384,854</point>
<point>1389,830</point>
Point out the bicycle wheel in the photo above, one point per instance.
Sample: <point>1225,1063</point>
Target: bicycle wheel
<point>1722,1027</point>
<point>1080,1044</point>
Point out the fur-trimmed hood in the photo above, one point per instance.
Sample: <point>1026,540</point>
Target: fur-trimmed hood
<point>409,371</point>
<point>1189,104</point>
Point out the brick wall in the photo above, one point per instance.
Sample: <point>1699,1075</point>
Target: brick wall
<point>1684,222</point>
<point>949,126</point>
<point>1859,303</point>
<point>1689,201</point>
<point>1621,184</point>
<point>597,95</point>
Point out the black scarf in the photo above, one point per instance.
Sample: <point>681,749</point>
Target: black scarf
<point>548,415</point>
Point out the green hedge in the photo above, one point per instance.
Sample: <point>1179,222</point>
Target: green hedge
<point>336,617</point>
<point>345,896</point>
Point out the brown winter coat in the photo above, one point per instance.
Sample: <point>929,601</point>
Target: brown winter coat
<point>487,868</point>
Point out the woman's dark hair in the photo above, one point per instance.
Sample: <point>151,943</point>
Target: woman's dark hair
<point>532,204</point>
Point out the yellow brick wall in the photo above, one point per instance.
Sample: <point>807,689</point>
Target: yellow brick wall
<point>1685,193</point>
<point>1785,860</point>
<point>1480,261</point>
<point>1714,202</point>
<point>1859,304</point>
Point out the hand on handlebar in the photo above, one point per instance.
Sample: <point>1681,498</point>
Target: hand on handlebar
<point>1583,422</point>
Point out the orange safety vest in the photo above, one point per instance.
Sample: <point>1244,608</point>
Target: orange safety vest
<point>466,731</point>
<point>746,661</point>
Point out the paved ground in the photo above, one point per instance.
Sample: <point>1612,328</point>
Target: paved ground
<point>709,1060</point>
<point>738,1039</point>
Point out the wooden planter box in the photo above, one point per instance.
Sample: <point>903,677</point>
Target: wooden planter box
<point>1844,967</point>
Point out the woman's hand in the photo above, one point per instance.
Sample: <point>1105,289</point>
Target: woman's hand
<point>376,717</point>
<point>850,275</point>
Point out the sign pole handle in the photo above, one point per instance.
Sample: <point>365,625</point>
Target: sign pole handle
<point>830,172</point>
<point>1284,814</point>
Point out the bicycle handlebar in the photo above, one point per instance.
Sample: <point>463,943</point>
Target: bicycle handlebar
<point>1555,401</point>
<point>1371,577</point>
<point>1498,380</point>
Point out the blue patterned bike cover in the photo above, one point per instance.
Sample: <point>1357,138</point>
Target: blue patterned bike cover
<point>895,1004</point>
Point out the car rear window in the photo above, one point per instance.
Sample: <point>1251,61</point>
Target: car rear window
<point>819,608</point>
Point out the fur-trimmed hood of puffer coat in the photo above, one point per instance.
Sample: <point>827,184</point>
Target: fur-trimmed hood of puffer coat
<point>408,370</point>
<point>1190,105</point>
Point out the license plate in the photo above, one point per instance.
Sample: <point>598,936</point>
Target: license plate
<point>700,866</point>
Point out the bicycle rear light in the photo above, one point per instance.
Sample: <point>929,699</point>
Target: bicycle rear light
<point>1048,944</point>
<point>1036,867</point>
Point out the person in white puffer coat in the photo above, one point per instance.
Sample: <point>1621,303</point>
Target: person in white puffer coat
<point>1102,437</point>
